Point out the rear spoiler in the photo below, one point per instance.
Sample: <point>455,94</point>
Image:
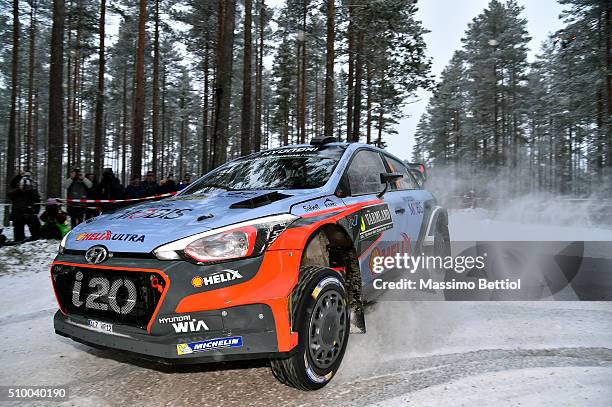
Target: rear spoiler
<point>419,172</point>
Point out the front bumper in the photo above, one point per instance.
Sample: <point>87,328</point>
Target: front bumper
<point>245,318</point>
<point>257,340</point>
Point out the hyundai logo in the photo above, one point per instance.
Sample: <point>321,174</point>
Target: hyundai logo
<point>96,254</point>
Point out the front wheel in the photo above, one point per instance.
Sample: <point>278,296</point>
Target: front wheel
<point>321,316</point>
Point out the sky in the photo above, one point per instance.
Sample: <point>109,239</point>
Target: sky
<point>447,21</point>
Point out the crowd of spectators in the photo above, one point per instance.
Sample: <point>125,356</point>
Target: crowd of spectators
<point>26,205</point>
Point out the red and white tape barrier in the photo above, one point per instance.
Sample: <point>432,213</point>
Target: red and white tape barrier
<point>146,198</point>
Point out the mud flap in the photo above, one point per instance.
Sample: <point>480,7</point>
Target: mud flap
<point>353,281</point>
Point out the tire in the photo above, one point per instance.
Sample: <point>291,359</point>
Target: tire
<point>321,317</point>
<point>442,240</point>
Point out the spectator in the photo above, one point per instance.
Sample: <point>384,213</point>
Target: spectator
<point>54,221</point>
<point>92,211</point>
<point>14,183</point>
<point>78,188</point>
<point>109,188</point>
<point>168,186</point>
<point>134,190</point>
<point>25,200</point>
<point>185,182</point>
<point>150,186</point>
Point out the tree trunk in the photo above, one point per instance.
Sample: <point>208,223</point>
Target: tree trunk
<point>163,120</point>
<point>29,126</point>
<point>259,80</point>
<point>302,113</point>
<point>245,123</point>
<point>182,134</point>
<point>329,72</point>
<point>56,109</point>
<point>358,79</point>
<point>124,127</point>
<point>205,108</point>
<point>223,81</point>
<point>349,78</point>
<point>381,115</point>
<point>609,80</point>
<point>76,94</point>
<point>34,168</point>
<point>155,95</point>
<point>139,96</point>
<point>369,103</point>
<point>12,131</point>
<point>69,89</point>
<point>99,125</point>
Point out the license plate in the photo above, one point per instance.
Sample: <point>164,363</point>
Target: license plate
<point>100,326</point>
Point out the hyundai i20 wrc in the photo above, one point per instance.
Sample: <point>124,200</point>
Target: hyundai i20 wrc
<point>267,256</point>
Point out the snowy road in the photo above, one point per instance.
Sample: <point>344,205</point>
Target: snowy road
<point>418,353</point>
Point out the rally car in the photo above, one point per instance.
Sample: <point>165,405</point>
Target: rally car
<point>268,256</point>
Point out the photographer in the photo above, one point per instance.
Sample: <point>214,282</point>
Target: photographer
<point>78,187</point>
<point>25,200</point>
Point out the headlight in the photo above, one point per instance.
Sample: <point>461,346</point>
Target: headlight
<point>236,241</point>
<point>62,245</point>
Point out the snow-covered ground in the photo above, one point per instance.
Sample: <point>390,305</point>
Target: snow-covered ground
<point>415,353</point>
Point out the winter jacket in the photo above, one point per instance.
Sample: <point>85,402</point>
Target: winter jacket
<point>78,189</point>
<point>132,192</point>
<point>168,187</point>
<point>25,202</point>
<point>109,188</point>
<point>150,188</point>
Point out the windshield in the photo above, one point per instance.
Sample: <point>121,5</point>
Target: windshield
<point>285,168</point>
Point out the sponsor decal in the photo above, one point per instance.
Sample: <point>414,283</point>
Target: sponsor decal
<point>374,220</point>
<point>311,207</point>
<point>219,277</point>
<point>416,207</point>
<point>176,318</point>
<point>152,213</point>
<point>203,346</point>
<point>197,281</point>
<point>328,280</point>
<point>94,236</point>
<point>329,203</point>
<point>290,151</point>
<point>108,235</point>
<point>193,325</point>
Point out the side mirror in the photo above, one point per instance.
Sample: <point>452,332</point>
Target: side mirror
<point>386,178</point>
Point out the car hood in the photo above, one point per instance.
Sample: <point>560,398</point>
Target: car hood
<point>143,227</point>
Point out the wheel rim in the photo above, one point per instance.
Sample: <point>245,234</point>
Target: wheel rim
<point>327,329</point>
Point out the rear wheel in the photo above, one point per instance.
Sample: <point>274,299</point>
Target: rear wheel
<point>442,240</point>
<point>321,316</point>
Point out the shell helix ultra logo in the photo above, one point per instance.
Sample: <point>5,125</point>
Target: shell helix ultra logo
<point>219,277</point>
<point>197,281</point>
<point>362,225</point>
